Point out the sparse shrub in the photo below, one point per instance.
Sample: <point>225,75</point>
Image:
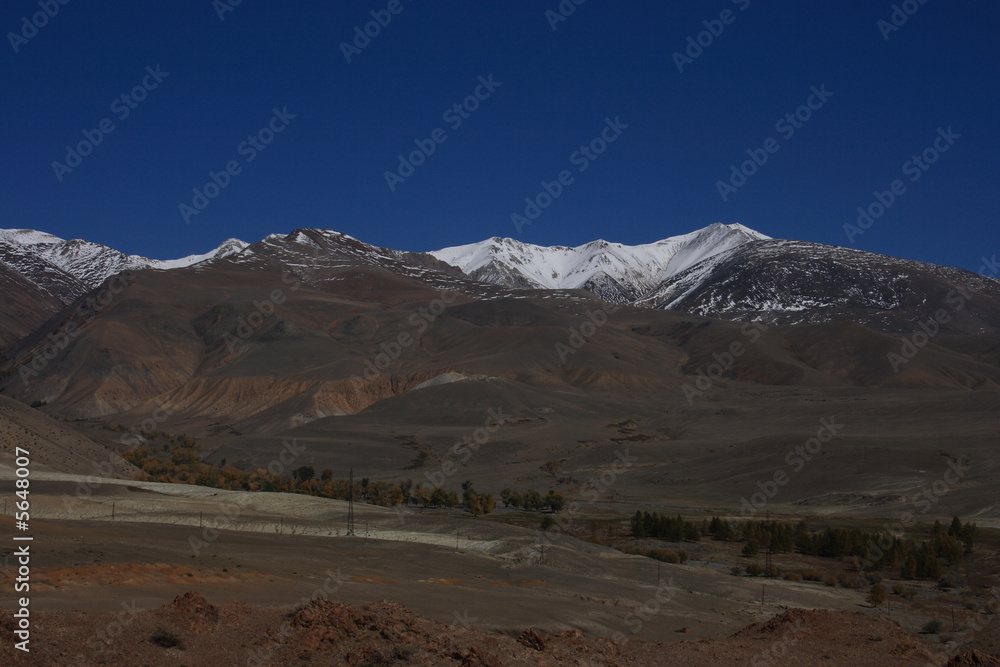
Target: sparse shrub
<point>848,581</point>
<point>547,523</point>
<point>166,639</point>
<point>877,595</point>
<point>736,570</point>
<point>830,580</point>
<point>771,571</point>
<point>971,606</point>
<point>793,576</point>
<point>899,588</point>
<point>993,608</point>
<point>656,554</point>
<point>813,575</point>
<point>751,548</point>
<point>947,581</point>
<point>663,556</point>
<point>874,578</point>
<point>754,569</point>
<point>668,557</point>
<point>933,627</point>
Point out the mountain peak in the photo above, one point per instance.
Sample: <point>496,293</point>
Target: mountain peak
<point>93,263</point>
<point>624,272</point>
<point>28,237</point>
<point>616,272</point>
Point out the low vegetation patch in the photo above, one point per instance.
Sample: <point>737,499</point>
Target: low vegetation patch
<point>656,554</point>
<point>166,639</point>
<point>179,460</point>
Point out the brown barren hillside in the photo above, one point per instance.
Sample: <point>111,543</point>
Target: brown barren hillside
<point>54,444</point>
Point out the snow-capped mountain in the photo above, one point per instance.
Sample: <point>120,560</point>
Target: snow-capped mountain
<point>612,271</point>
<point>725,271</point>
<point>18,254</point>
<point>25,306</point>
<point>67,269</point>
<point>229,248</point>
<point>316,256</point>
<point>793,282</point>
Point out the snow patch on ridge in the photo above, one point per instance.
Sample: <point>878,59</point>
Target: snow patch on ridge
<point>618,272</point>
<point>93,263</point>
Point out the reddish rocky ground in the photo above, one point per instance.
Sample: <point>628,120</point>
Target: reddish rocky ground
<point>191,631</point>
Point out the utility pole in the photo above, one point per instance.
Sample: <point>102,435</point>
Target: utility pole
<point>281,526</point>
<point>767,552</point>
<point>350,504</point>
<point>762,587</point>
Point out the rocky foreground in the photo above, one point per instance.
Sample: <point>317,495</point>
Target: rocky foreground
<point>191,631</point>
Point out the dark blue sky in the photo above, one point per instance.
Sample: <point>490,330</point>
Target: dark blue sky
<point>607,60</point>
